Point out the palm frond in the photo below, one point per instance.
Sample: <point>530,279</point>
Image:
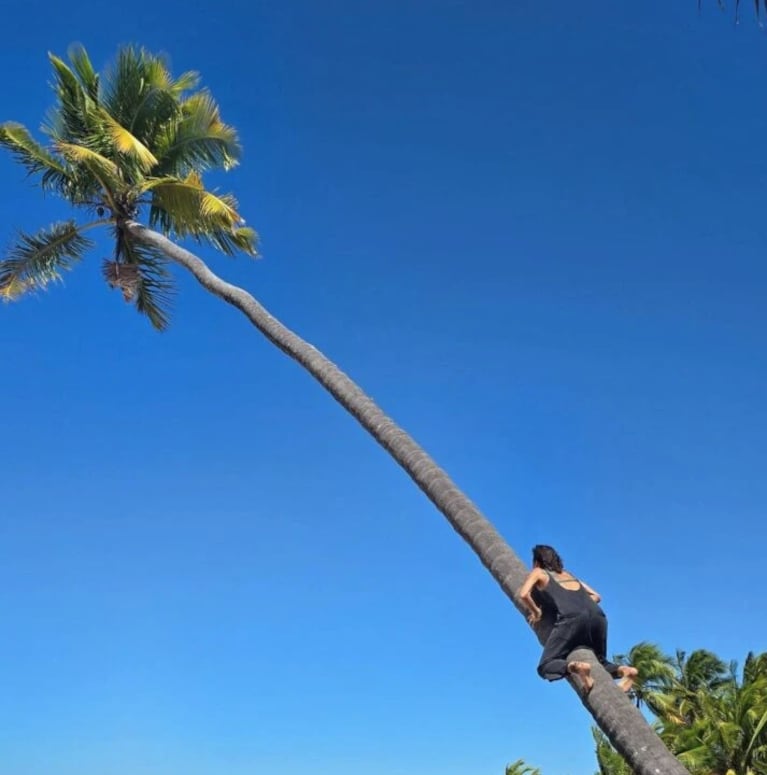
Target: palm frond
<point>34,157</point>
<point>105,170</point>
<point>127,144</point>
<point>158,76</point>
<point>81,64</point>
<point>199,141</point>
<point>139,83</point>
<point>73,119</point>
<point>139,94</point>
<point>759,727</point>
<point>185,82</point>
<point>520,767</point>
<point>186,208</point>
<point>189,206</point>
<point>38,259</point>
<point>125,84</point>
<point>231,241</point>
<point>146,280</point>
<point>609,760</point>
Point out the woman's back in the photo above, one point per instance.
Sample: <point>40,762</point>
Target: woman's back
<point>567,596</point>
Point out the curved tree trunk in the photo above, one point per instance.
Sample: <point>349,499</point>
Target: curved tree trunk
<point>615,715</point>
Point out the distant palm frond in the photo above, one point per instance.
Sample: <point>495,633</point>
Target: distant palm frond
<point>722,6</point>
<point>38,259</point>
<point>520,768</point>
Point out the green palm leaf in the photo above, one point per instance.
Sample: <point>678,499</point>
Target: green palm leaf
<point>141,94</point>
<point>127,144</point>
<point>104,170</point>
<point>81,64</point>
<point>156,101</point>
<point>190,207</point>
<point>36,159</point>
<point>72,120</point>
<point>519,767</point>
<point>38,259</point>
<point>656,671</point>
<point>199,141</point>
<point>185,208</point>
<point>126,83</point>
<point>231,241</point>
<point>757,735</point>
<point>609,760</point>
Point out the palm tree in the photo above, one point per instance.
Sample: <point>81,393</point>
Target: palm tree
<point>698,676</point>
<point>715,723</point>
<point>656,672</point>
<point>702,669</point>
<point>137,141</point>
<point>721,726</point>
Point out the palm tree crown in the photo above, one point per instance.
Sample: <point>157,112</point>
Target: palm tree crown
<point>133,140</point>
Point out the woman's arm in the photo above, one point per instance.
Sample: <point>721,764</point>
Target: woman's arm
<point>526,595</point>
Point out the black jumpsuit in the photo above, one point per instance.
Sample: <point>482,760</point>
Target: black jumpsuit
<point>580,623</point>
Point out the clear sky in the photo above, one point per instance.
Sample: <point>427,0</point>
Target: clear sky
<point>535,233</point>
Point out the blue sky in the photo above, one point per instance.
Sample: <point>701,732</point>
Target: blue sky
<point>533,232</point>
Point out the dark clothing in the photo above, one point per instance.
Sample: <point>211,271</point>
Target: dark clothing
<point>579,623</point>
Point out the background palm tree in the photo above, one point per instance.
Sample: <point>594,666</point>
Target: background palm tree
<point>702,670</point>
<point>137,141</point>
<point>713,721</point>
<point>656,672</point>
<point>520,768</point>
<point>717,723</point>
<point>698,676</point>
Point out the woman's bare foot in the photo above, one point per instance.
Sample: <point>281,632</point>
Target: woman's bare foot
<point>628,674</point>
<point>583,671</point>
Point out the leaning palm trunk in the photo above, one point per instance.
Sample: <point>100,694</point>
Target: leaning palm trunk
<point>623,724</point>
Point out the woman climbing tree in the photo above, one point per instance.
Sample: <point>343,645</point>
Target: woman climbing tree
<point>579,622</point>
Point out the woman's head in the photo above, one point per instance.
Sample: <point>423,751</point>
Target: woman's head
<point>546,557</point>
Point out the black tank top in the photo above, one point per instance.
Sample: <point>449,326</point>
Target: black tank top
<point>568,602</point>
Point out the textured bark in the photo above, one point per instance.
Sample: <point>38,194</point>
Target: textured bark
<point>615,715</point>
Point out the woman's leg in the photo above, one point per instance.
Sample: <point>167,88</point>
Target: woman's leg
<point>599,644</point>
<point>554,665</point>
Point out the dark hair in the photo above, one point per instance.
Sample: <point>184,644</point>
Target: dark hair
<point>547,558</point>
